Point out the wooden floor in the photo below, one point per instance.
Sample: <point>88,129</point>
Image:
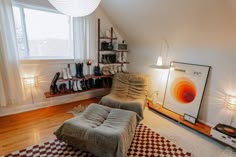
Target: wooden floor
<point>29,128</point>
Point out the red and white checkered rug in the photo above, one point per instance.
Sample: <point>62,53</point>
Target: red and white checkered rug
<point>146,143</point>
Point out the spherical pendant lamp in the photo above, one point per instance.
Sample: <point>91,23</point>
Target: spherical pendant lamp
<point>75,8</point>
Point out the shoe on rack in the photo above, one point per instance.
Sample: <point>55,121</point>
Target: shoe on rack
<point>97,71</point>
<point>87,84</point>
<point>63,88</point>
<point>79,86</point>
<point>64,73</point>
<point>72,69</point>
<point>104,60</point>
<point>81,73</point>
<point>123,69</point>
<point>77,65</point>
<point>53,86</point>
<point>68,72</point>
<point>111,70</point>
<point>91,82</point>
<point>75,89</point>
<point>83,85</point>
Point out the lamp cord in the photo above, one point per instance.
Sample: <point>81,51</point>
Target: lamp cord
<point>232,119</point>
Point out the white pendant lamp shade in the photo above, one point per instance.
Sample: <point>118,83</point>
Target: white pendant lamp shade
<point>75,8</point>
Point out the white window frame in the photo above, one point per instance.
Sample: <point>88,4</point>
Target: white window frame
<point>21,6</point>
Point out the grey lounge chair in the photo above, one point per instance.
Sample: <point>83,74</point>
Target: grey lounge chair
<point>128,92</point>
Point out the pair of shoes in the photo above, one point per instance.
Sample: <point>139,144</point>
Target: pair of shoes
<point>76,86</point>
<point>66,74</point>
<point>79,70</point>
<point>109,58</point>
<point>98,83</point>
<point>106,82</point>
<point>53,86</point>
<point>63,88</point>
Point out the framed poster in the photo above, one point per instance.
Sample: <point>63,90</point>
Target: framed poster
<point>185,88</point>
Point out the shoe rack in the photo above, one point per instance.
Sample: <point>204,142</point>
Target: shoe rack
<point>103,85</point>
<point>108,57</point>
<point>74,81</point>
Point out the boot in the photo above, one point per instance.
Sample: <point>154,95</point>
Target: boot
<point>77,66</point>
<point>79,86</point>
<point>87,84</point>
<point>97,71</point>
<point>98,83</point>
<point>75,89</point>
<point>81,70</point>
<point>83,86</point>
<point>70,85</point>
<point>53,86</point>
<point>91,83</point>
<point>63,88</point>
<point>68,72</point>
<point>72,69</point>
<point>64,73</point>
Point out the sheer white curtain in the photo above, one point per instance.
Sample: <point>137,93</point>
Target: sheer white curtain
<point>85,38</point>
<point>10,80</point>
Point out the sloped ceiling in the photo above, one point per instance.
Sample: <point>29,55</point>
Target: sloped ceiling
<point>147,21</point>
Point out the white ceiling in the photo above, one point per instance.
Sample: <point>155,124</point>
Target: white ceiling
<point>147,21</point>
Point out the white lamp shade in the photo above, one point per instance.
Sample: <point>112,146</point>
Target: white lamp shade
<point>231,102</point>
<point>159,64</point>
<point>159,60</point>
<point>75,8</point>
<point>30,82</point>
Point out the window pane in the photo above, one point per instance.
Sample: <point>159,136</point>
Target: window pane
<point>19,32</point>
<point>48,34</point>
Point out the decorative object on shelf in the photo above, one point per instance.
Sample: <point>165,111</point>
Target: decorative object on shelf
<point>123,46</point>
<point>88,63</point>
<point>75,8</point>
<point>30,82</point>
<point>159,64</point>
<point>190,118</point>
<point>53,86</point>
<point>108,33</point>
<point>185,88</point>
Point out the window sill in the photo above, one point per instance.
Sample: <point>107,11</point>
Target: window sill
<point>47,61</point>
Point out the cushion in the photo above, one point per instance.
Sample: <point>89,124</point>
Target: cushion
<point>128,92</point>
<point>101,130</point>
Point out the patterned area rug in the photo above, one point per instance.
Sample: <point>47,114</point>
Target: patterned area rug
<point>146,143</point>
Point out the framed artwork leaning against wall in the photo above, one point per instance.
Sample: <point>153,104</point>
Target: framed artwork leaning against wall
<point>185,87</point>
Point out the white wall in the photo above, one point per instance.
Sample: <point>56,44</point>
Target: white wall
<point>45,70</point>
<point>204,36</point>
<point>198,32</point>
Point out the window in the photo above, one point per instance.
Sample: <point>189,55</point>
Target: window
<point>43,34</point>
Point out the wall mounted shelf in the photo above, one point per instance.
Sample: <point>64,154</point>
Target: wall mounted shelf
<point>48,95</point>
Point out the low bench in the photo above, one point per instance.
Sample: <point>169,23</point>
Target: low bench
<point>101,130</point>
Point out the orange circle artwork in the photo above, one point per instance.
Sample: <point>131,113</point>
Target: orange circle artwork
<point>183,90</point>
